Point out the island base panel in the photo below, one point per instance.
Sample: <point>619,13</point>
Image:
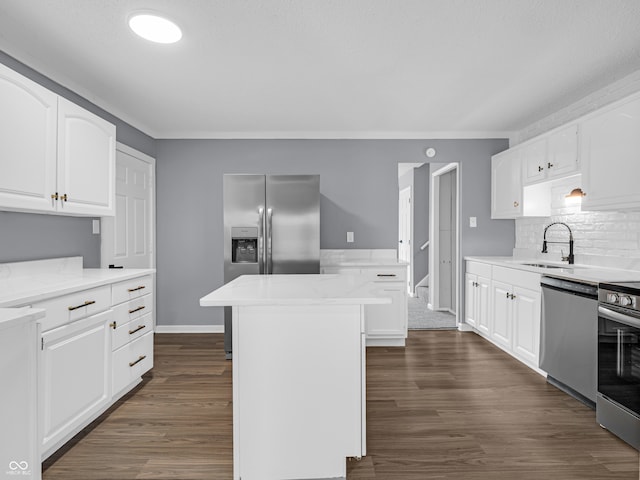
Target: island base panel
<point>298,379</point>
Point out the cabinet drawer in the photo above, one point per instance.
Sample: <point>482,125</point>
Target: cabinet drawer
<point>127,311</point>
<point>130,289</point>
<point>340,270</point>
<point>517,277</point>
<point>126,332</point>
<point>391,274</point>
<point>131,361</point>
<point>479,268</point>
<point>68,308</point>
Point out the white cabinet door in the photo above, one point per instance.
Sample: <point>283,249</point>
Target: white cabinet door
<point>610,150</point>
<point>482,295</point>
<point>562,152</point>
<point>502,313</point>
<point>526,324</point>
<point>534,161</point>
<point>388,319</point>
<point>506,185</point>
<point>471,300</point>
<point>75,377</point>
<point>86,161</point>
<point>28,116</point>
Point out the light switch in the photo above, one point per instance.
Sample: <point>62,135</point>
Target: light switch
<point>350,237</point>
<point>473,222</point>
<point>96,227</point>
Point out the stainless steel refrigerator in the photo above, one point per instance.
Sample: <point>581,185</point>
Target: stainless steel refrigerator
<point>271,225</point>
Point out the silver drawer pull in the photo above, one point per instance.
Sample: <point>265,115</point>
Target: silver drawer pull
<point>88,302</point>
<point>386,274</point>
<point>140,327</point>
<point>136,309</point>
<point>135,289</point>
<point>140,358</point>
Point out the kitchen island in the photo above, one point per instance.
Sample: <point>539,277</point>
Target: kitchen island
<point>298,373</point>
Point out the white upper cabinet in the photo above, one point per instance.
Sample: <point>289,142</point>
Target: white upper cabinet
<point>562,152</point>
<point>534,161</point>
<point>552,156</point>
<point>86,161</point>
<point>55,157</point>
<point>28,119</point>
<point>506,185</point>
<point>610,146</point>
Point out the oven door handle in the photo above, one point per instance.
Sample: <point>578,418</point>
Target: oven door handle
<point>618,317</point>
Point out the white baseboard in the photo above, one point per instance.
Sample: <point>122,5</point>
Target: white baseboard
<point>465,327</point>
<point>189,328</point>
<point>424,282</point>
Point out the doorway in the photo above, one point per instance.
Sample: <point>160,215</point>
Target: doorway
<point>418,181</point>
<point>128,238</point>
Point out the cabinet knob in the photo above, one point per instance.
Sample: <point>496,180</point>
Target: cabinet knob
<point>516,204</point>
<point>54,196</point>
<point>549,164</point>
<point>540,168</point>
<point>63,197</point>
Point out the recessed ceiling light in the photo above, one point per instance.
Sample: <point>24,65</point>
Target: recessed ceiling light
<point>155,28</point>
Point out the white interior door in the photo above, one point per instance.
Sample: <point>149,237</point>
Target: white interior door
<point>128,238</point>
<point>404,230</point>
<point>443,230</point>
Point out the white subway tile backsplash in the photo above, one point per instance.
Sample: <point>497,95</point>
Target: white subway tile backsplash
<point>604,234</point>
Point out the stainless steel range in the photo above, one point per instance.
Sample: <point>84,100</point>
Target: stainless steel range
<point>618,398</point>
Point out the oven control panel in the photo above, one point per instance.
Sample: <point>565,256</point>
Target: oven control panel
<point>617,298</point>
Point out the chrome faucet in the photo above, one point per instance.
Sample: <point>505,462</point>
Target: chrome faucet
<point>570,242</point>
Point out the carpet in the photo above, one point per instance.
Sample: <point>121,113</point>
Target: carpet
<point>421,318</point>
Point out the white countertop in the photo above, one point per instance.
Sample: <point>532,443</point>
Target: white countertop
<point>585,273</point>
<point>360,258</point>
<point>11,316</point>
<point>22,283</point>
<point>295,290</point>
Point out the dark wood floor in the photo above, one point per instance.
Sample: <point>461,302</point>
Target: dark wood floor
<point>448,406</point>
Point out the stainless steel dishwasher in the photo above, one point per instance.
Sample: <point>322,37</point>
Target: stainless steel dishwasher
<point>569,337</point>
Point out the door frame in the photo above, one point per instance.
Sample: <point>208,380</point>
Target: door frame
<point>106,244</point>
<point>409,234</point>
<point>434,250</point>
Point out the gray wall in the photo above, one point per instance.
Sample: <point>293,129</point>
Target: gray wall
<point>359,193</point>
<point>421,178</point>
<point>34,237</point>
<point>29,236</point>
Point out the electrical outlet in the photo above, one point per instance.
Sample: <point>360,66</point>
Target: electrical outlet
<point>96,227</point>
<point>350,237</point>
<point>473,222</point>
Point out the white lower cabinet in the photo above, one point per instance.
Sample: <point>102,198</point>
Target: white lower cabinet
<point>131,361</point>
<point>95,344</point>
<point>389,320</point>
<point>385,325</point>
<point>75,377</point>
<point>512,305</point>
<point>477,281</point>
<point>502,303</point>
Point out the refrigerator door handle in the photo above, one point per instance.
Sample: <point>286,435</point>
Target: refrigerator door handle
<point>261,252</point>
<point>269,241</point>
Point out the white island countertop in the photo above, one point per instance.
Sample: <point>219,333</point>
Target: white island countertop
<point>308,289</point>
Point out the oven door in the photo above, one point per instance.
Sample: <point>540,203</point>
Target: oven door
<point>619,358</point>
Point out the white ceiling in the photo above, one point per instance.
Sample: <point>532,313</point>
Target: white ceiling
<point>330,68</point>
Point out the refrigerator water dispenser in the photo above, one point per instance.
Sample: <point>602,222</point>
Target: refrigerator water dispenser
<point>244,245</point>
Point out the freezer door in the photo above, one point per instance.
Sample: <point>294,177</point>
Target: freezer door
<point>293,224</point>
<point>244,205</point>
